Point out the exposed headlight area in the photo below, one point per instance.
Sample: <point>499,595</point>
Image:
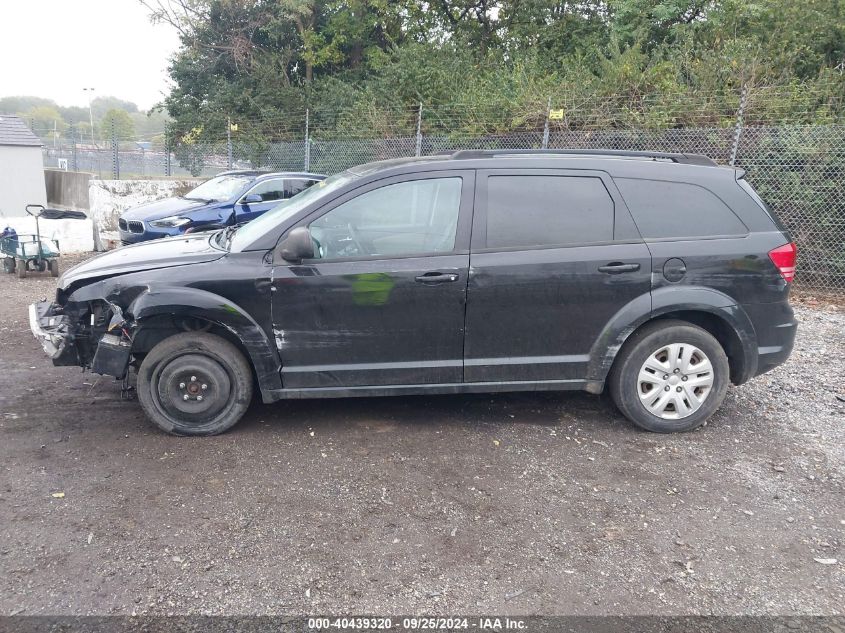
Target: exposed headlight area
<point>170,222</point>
<point>51,330</point>
<point>71,333</point>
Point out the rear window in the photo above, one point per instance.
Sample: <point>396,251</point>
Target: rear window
<point>677,210</point>
<point>528,211</point>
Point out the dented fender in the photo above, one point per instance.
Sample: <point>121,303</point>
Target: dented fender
<point>194,302</point>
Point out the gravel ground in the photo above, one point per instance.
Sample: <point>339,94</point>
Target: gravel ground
<point>512,504</point>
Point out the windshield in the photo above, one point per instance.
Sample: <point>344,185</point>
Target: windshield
<point>248,233</point>
<point>219,189</point>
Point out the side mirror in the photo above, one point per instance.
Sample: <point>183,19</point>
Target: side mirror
<point>252,198</point>
<point>297,246</point>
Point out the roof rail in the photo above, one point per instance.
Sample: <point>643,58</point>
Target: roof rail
<point>686,159</point>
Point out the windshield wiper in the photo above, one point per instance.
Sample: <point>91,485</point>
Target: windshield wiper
<point>203,200</point>
<point>228,234</point>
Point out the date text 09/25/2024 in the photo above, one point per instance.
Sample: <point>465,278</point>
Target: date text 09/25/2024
<point>417,623</point>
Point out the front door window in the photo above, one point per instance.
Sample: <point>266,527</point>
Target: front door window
<point>405,219</point>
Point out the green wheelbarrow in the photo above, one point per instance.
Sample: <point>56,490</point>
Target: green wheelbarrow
<point>25,253</point>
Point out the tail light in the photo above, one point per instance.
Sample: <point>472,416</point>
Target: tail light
<point>784,258</point>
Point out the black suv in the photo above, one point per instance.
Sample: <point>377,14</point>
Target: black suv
<point>661,276</point>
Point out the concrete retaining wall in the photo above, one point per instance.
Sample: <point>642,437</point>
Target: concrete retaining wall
<point>67,189</point>
<point>109,198</point>
<point>74,236</point>
<point>102,200</point>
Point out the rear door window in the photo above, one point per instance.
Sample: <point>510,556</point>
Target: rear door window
<point>666,210</point>
<point>543,211</point>
<point>269,190</point>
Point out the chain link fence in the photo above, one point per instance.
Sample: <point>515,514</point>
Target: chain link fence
<point>799,169</point>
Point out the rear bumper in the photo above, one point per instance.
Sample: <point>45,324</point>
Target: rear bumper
<point>775,327</point>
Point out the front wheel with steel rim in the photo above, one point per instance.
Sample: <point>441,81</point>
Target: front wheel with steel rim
<point>194,383</point>
<point>670,376</point>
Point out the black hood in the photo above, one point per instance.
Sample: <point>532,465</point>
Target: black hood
<point>174,251</point>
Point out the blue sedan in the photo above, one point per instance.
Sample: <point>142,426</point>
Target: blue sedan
<point>231,198</point>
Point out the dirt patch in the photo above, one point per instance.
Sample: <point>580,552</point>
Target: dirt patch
<point>514,503</point>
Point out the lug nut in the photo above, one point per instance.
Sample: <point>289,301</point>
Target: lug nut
<point>186,397</point>
<point>678,389</point>
<point>676,371</point>
<point>204,386</point>
<point>194,378</point>
<point>199,398</point>
<point>666,388</point>
<point>181,385</point>
<point>665,376</point>
<point>684,378</point>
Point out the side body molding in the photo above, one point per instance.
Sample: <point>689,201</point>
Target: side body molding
<point>667,300</point>
<point>212,307</point>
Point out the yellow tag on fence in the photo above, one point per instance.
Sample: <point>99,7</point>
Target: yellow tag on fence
<point>556,115</point>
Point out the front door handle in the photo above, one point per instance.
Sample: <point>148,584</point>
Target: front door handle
<point>436,278</point>
<point>614,268</point>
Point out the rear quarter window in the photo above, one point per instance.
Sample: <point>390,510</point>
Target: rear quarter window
<point>677,210</point>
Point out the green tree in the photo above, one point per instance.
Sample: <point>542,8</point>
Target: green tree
<point>363,65</point>
<point>10,105</point>
<point>119,123</point>
<point>45,121</point>
<point>101,105</point>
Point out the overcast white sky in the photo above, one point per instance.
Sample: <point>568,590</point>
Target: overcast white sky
<point>54,48</point>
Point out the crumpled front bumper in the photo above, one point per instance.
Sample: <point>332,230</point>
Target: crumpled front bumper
<point>52,331</point>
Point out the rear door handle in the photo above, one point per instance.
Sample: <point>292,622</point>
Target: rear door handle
<point>614,268</point>
<point>436,278</point>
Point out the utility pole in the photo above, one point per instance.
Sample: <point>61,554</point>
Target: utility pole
<point>90,92</point>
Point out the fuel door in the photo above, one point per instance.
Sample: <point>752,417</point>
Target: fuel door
<point>674,269</point>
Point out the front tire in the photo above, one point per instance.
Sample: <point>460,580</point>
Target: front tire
<point>670,376</point>
<point>195,383</point>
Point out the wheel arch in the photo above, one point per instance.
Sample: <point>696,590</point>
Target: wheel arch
<point>157,313</point>
<point>713,311</point>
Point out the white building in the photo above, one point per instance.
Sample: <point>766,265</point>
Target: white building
<point>21,168</point>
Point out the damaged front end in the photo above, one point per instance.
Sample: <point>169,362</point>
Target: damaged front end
<point>91,334</point>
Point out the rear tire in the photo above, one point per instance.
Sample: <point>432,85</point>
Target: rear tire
<point>670,376</point>
<point>9,265</point>
<point>53,265</point>
<point>194,383</point>
<point>20,268</point>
